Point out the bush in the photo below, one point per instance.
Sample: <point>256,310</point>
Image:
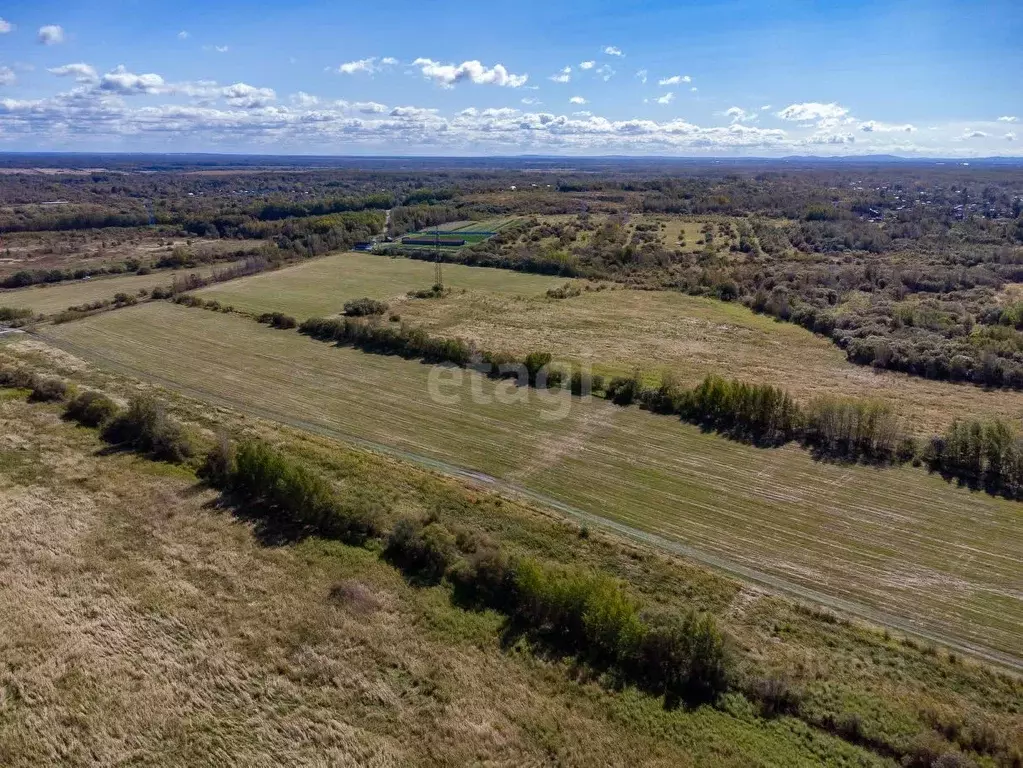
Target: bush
<point>777,696</point>
<point>485,579</point>
<point>287,492</point>
<point>11,314</point>
<point>91,409</point>
<point>536,364</point>
<point>146,428</point>
<point>365,306</point>
<point>48,390</point>
<point>566,291</point>
<point>685,659</point>
<point>123,299</point>
<point>276,320</point>
<point>423,553</point>
<point>581,384</point>
<point>17,378</point>
<point>624,390</point>
<point>435,291</point>
<point>219,466</point>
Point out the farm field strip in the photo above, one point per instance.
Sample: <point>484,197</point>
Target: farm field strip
<point>612,330</point>
<point>892,539</point>
<point>48,299</point>
<point>322,286</point>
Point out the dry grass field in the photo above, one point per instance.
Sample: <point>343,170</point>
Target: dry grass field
<point>614,331</point>
<point>50,299</point>
<point>322,286</point>
<point>142,623</point>
<point>138,624</point>
<point>895,540</point>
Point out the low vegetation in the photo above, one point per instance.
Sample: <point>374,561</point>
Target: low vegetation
<point>652,474</point>
<point>364,306</point>
<point>585,606</point>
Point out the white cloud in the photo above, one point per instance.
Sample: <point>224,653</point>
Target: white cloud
<point>244,117</point>
<point>587,64</point>
<point>82,73</point>
<point>563,76</point>
<point>221,48</point>
<point>832,138</point>
<point>531,101</point>
<point>666,98</point>
<point>7,76</point>
<point>51,34</point>
<point>873,126</point>
<point>642,75</point>
<point>447,75</point>
<point>369,66</point>
<point>740,115</point>
<point>248,96</point>
<point>126,83</point>
<point>968,134</point>
<point>612,50</point>
<point>5,26</point>
<point>765,107</point>
<point>675,80</point>
<point>577,100</point>
<point>304,100</point>
<point>183,35</point>
<point>694,89</point>
<point>1008,119</point>
<point>606,72</point>
<point>812,110</point>
<point>413,112</point>
<point>369,107</point>
<point>1010,136</point>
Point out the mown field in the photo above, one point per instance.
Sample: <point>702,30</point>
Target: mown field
<point>142,622</point>
<point>483,225</point>
<point>613,330</point>
<point>49,299</point>
<point>895,540</point>
<point>322,286</point>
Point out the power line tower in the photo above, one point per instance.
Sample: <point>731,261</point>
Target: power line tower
<point>438,273</point>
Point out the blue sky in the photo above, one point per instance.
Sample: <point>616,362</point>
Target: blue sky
<point>739,77</point>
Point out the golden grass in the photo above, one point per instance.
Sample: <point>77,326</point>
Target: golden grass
<point>614,331</point>
<point>139,624</point>
<point>617,330</point>
<point>892,539</point>
<point>322,286</point>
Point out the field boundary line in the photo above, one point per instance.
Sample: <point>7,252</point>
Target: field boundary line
<point>771,582</point>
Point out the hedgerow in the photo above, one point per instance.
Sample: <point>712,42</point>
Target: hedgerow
<point>289,494</point>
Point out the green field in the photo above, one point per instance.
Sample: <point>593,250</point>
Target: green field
<point>49,299</point>
<point>611,330</point>
<point>322,286</point>
<point>454,229</point>
<point>948,560</point>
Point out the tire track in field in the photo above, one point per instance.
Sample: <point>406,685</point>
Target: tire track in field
<point>714,561</point>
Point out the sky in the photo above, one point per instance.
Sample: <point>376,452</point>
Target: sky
<point>560,77</point>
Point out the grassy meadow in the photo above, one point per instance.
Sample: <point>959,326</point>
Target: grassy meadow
<point>144,623</point>
<point>50,299</point>
<point>894,540</point>
<point>613,331</point>
<point>322,286</point>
